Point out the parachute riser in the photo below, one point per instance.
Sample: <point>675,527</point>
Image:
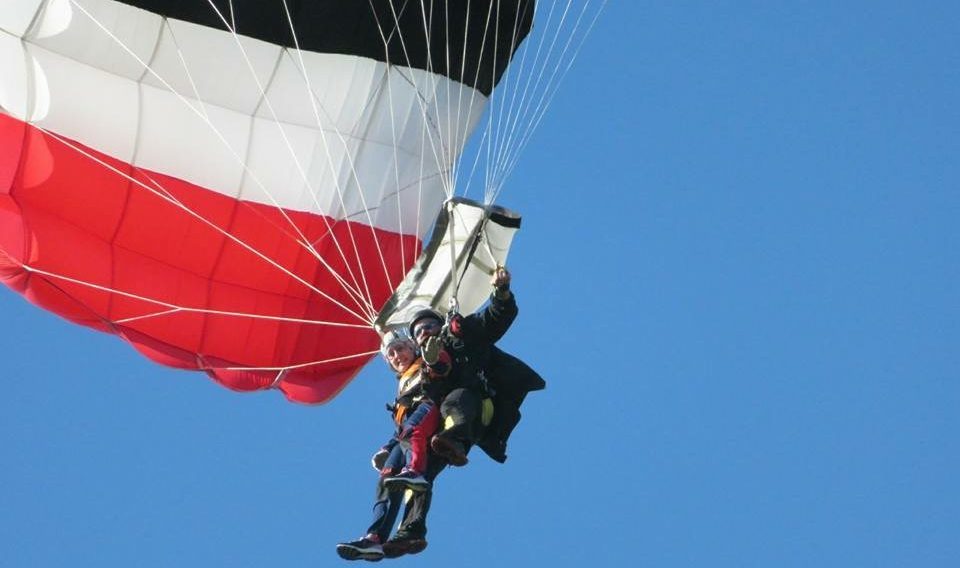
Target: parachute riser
<point>463,284</point>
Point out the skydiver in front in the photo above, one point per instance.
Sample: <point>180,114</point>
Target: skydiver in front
<point>402,461</point>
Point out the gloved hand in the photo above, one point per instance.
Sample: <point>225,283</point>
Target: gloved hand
<point>379,459</point>
<point>501,283</point>
<point>431,350</point>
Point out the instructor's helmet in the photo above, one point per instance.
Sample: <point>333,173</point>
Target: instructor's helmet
<point>420,315</point>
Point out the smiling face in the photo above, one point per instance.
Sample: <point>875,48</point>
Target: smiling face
<point>400,355</point>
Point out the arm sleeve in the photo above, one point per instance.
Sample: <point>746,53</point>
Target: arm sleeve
<point>495,319</point>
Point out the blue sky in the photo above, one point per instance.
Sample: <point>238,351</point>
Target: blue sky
<point>738,274</point>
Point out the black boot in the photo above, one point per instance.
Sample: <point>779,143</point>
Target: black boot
<point>449,449</point>
<point>366,548</point>
<point>403,543</point>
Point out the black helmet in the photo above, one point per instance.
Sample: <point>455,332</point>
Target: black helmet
<point>424,314</point>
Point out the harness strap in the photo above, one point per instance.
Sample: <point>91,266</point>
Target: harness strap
<point>399,413</point>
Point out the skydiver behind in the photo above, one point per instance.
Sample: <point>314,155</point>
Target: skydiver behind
<point>402,461</point>
<point>482,374</point>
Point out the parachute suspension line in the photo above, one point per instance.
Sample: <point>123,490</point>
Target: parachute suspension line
<point>494,103</point>
<point>412,81</point>
<point>339,190</point>
<point>388,72</point>
<point>353,173</point>
<point>521,99</point>
<point>439,155</point>
<point>367,300</point>
<point>492,110</point>
<point>282,370</point>
<point>488,136</point>
<point>476,156</point>
<point>553,85</point>
<point>429,121</point>
<point>435,86</point>
<point>352,168</point>
<point>502,140</point>
<point>233,17</point>
<point>440,87</point>
<point>490,101</point>
<point>362,194</point>
<point>281,374</point>
<point>435,80</point>
<point>205,118</point>
<point>492,181</point>
<point>449,146</point>
<point>461,140</point>
<point>458,133</point>
<point>173,308</point>
<point>411,77</point>
<point>454,281</point>
<point>396,170</point>
<point>476,78</point>
<point>165,195</point>
<point>473,95</point>
<point>393,131</point>
<point>505,105</point>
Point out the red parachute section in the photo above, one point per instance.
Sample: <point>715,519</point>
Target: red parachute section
<point>170,267</point>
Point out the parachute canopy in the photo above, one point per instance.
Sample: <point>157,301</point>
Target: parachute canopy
<point>237,186</point>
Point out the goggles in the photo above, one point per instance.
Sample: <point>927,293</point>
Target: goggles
<point>425,326</point>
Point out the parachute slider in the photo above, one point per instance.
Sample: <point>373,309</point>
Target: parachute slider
<point>457,234</point>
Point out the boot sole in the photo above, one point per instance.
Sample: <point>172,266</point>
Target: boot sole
<point>398,549</point>
<point>401,484</point>
<point>351,553</point>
